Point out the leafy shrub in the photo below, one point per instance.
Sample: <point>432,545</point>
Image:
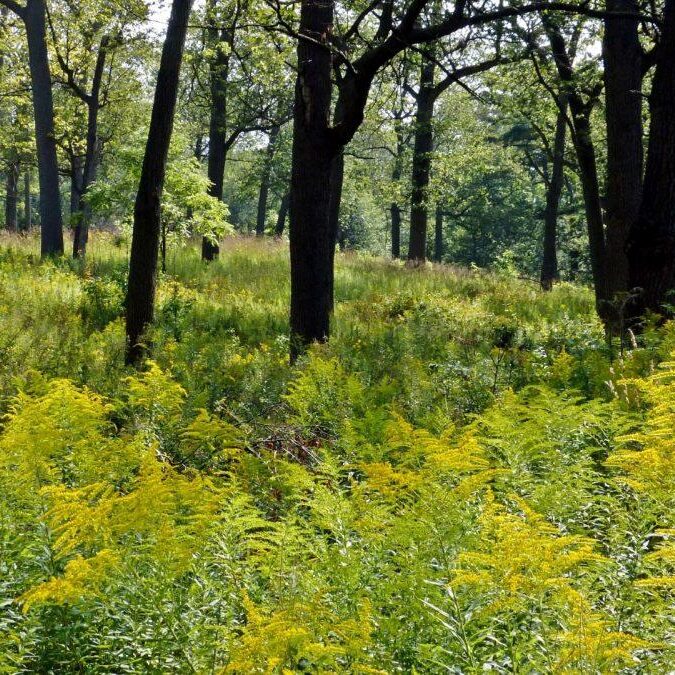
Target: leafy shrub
<point>102,302</point>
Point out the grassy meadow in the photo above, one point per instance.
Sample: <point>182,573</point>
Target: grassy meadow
<point>466,479</point>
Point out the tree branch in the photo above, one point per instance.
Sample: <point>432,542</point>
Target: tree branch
<point>14,7</point>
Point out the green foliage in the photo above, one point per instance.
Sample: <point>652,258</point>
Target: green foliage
<point>187,209</point>
<point>102,301</point>
<point>460,481</point>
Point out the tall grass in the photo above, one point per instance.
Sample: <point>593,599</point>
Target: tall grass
<point>463,479</point>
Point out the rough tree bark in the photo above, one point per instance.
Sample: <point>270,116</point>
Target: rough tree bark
<point>421,163</point>
<point>261,216</point>
<point>33,15</point>
<point>651,246</point>
<point>549,263</point>
<point>140,299</point>
<point>623,72</point>
<point>312,241</point>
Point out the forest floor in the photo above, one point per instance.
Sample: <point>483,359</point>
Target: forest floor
<point>466,478</point>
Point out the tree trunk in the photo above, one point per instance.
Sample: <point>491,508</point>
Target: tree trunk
<point>147,218</point>
<point>265,181</point>
<point>549,263</point>
<point>218,76</point>
<point>395,211</point>
<point>622,55</point>
<point>312,241</point>
<point>394,208</point>
<point>421,164</point>
<point>585,151</point>
<point>43,105</point>
<point>438,235</point>
<point>27,205</point>
<point>591,192</point>
<point>651,248</point>
<point>12,196</point>
<point>281,216</point>
<point>92,153</point>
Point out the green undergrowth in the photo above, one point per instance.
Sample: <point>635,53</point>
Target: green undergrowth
<point>467,478</point>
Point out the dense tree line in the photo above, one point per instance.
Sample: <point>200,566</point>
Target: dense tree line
<point>518,128</point>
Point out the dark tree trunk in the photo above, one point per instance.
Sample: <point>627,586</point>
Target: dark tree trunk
<point>27,205</point>
<point>92,154</point>
<point>12,196</point>
<point>421,164</point>
<point>394,208</point>
<point>438,235</point>
<point>651,247</point>
<point>591,192</point>
<point>395,211</point>
<point>281,216</point>
<point>51,223</point>
<point>585,151</point>
<point>312,241</point>
<point>549,263</point>
<point>218,76</point>
<point>265,181</point>
<point>622,55</point>
<point>147,218</point>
